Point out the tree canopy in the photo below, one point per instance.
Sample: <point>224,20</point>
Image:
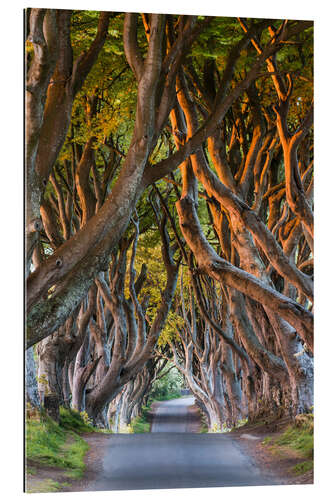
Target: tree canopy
<point>169,209</point>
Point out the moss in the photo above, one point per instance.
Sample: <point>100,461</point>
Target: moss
<point>56,445</point>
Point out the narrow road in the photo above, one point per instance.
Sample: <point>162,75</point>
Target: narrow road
<point>172,457</point>
<point>173,416</point>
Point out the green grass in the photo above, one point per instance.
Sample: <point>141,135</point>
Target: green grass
<point>267,440</point>
<point>300,439</point>
<point>166,397</point>
<point>102,431</point>
<point>72,420</point>
<point>52,444</point>
<point>46,486</point>
<point>78,422</point>
<point>75,452</point>
<point>302,467</point>
<point>141,424</point>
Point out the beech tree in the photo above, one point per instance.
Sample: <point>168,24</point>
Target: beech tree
<point>134,395</point>
<point>190,134</point>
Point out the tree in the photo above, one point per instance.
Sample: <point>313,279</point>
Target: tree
<point>151,116</point>
<point>191,135</point>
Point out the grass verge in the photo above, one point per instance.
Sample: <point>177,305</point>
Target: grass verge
<point>141,423</point>
<point>302,467</point>
<point>47,486</point>
<point>55,445</point>
<point>297,438</point>
<point>49,443</point>
<point>300,440</point>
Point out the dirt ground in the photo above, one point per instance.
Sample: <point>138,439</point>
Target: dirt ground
<point>55,479</point>
<point>249,437</point>
<point>45,479</point>
<point>278,462</point>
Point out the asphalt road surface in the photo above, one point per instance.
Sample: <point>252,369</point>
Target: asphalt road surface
<point>171,457</point>
<point>173,416</point>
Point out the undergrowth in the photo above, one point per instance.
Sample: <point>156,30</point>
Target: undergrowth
<point>47,486</point>
<point>74,421</point>
<point>166,397</point>
<point>141,424</point>
<point>299,436</point>
<point>303,467</point>
<point>52,444</point>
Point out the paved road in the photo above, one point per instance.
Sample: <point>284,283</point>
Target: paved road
<point>170,457</point>
<point>173,416</point>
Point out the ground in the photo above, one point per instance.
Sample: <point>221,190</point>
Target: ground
<point>255,441</point>
<point>46,479</point>
<point>277,460</point>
